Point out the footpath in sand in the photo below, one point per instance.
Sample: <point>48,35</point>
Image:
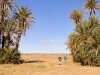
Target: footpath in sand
<point>47,65</point>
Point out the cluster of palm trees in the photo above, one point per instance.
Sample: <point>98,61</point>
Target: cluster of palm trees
<point>84,43</point>
<point>14,21</point>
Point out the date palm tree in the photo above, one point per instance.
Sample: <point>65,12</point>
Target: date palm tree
<point>77,16</point>
<point>24,18</point>
<point>92,6</point>
<point>9,30</point>
<point>6,6</point>
<point>5,9</point>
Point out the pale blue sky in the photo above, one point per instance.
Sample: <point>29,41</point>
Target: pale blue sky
<point>52,25</point>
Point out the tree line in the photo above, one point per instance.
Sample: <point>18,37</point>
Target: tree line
<point>84,43</point>
<point>14,22</point>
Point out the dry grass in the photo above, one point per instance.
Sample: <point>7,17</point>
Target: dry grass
<point>47,65</point>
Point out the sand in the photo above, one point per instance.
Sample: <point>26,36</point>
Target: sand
<point>47,65</point>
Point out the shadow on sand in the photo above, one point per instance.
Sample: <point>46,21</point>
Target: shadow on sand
<point>33,61</point>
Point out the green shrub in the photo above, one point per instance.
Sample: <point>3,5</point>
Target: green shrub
<point>10,56</point>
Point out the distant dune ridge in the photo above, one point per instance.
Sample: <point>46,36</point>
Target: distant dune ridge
<point>47,64</point>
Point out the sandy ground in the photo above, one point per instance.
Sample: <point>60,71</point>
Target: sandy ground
<point>47,65</point>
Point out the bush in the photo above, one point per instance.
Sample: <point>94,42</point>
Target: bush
<point>10,56</point>
<point>87,58</point>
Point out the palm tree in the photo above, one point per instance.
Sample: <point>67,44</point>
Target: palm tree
<point>24,19</point>
<point>9,29</point>
<point>77,16</point>
<point>92,6</point>
<point>5,8</point>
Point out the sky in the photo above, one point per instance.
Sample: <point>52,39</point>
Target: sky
<point>52,25</point>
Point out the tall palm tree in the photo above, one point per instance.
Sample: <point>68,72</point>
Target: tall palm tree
<point>24,18</point>
<point>9,29</point>
<point>5,8</point>
<point>77,16</point>
<point>92,6</point>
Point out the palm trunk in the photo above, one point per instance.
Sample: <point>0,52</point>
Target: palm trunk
<point>8,40</point>
<point>0,40</point>
<point>77,25</point>
<point>3,41</point>
<point>2,20</point>
<point>0,29</point>
<point>91,12</point>
<point>17,42</point>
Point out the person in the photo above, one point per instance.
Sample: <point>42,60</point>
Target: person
<point>65,59</point>
<point>59,60</point>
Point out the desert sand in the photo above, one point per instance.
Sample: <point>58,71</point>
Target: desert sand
<point>47,65</point>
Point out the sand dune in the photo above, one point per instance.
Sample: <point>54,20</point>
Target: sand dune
<point>47,65</point>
